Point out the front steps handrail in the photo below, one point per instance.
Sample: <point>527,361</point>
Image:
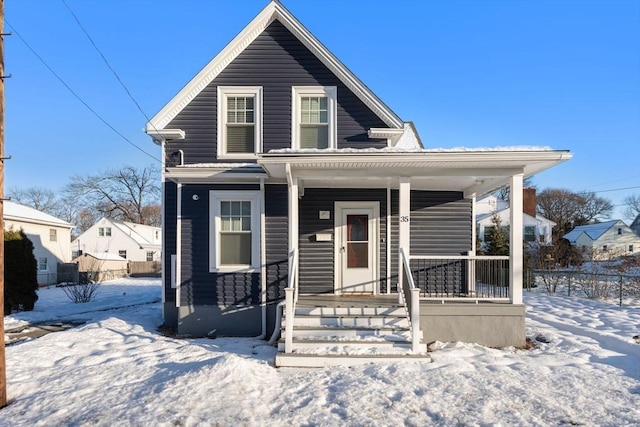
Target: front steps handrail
<point>411,295</point>
<point>291,297</point>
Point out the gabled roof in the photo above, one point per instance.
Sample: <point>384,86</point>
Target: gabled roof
<point>130,230</point>
<point>21,213</point>
<point>593,231</point>
<point>103,256</point>
<point>272,12</point>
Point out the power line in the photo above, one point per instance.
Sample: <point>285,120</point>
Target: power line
<point>78,97</point>
<point>113,71</point>
<point>616,189</point>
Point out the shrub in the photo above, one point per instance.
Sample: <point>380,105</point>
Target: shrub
<point>20,272</point>
<point>81,292</point>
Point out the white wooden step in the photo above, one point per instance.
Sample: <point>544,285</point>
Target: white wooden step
<point>336,333</point>
<point>294,360</point>
<point>311,346</point>
<point>351,311</point>
<point>385,322</point>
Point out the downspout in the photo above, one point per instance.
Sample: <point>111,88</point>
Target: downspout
<point>263,262</point>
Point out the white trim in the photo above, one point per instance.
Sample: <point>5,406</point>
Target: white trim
<point>273,11</point>
<point>515,243</point>
<point>339,227</point>
<point>215,197</point>
<point>162,135</point>
<point>331,92</point>
<point>263,260</point>
<point>178,244</point>
<point>404,223</point>
<point>388,239</point>
<point>223,93</point>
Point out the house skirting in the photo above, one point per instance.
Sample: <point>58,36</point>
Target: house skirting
<point>237,321</point>
<point>489,324</point>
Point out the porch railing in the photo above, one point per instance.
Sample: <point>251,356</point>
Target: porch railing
<point>459,277</point>
<point>411,296</point>
<point>291,298</point>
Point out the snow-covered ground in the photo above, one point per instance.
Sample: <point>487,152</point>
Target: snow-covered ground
<point>117,370</point>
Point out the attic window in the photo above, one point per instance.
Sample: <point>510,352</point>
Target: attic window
<point>104,231</point>
<point>314,117</point>
<point>619,230</point>
<point>239,121</point>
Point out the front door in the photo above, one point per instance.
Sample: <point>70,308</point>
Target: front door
<point>356,247</point>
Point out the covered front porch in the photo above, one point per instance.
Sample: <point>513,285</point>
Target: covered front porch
<point>399,230</point>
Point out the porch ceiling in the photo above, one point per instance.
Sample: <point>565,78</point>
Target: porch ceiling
<point>467,171</point>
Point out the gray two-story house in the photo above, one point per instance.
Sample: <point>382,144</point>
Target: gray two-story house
<point>297,202</point>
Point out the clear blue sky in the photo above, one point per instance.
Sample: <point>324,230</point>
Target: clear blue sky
<point>561,73</point>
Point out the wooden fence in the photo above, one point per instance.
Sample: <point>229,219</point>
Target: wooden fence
<point>145,268</point>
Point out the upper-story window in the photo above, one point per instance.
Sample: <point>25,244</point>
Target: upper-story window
<point>239,121</point>
<point>314,123</point>
<point>104,231</point>
<point>53,235</point>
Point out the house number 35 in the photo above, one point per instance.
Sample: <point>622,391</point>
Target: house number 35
<point>404,219</point>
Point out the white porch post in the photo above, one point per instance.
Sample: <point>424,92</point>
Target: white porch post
<point>404,229</point>
<point>515,242</point>
<point>293,217</point>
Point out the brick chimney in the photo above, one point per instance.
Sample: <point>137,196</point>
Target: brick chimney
<point>529,201</point>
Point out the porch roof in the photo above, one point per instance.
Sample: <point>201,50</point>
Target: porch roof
<point>467,170</point>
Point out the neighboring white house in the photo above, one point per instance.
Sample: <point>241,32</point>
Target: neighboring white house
<point>51,238</point>
<point>614,237</point>
<point>133,242</point>
<point>536,228</point>
<point>635,225</point>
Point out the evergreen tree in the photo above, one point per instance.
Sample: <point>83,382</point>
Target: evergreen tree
<point>20,272</point>
<point>498,239</point>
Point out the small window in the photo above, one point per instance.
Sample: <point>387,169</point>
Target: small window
<point>630,248</point>
<point>101,231</point>
<point>122,254</point>
<point>43,264</point>
<point>239,121</point>
<point>529,234</point>
<point>619,230</point>
<point>314,117</point>
<point>104,231</point>
<point>53,235</point>
<point>75,254</point>
<point>107,231</point>
<point>605,248</point>
<point>235,231</point>
<point>149,256</point>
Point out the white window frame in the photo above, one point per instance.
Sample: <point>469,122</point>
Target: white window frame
<point>331,92</point>
<point>41,263</point>
<point>215,197</point>
<point>53,235</point>
<point>223,93</point>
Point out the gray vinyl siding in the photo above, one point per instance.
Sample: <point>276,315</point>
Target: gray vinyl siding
<point>198,286</point>
<point>440,225</point>
<point>276,60</point>
<point>277,241</point>
<point>316,263</point>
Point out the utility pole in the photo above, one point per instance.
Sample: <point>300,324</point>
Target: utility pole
<point>3,361</point>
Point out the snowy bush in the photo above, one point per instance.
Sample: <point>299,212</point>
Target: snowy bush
<point>81,292</point>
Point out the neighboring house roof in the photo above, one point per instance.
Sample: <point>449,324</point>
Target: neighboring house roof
<point>272,12</point>
<point>21,213</point>
<point>593,231</point>
<point>635,225</point>
<point>103,256</point>
<point>538,218</point>
<point>131,229</point>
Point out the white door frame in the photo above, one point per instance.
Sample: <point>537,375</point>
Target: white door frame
<point>340,229</point>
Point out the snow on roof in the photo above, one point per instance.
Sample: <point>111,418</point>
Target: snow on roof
<point>104,256</point>
<point>514,148</point>
<point>594,231</point>
<point>17,212</point>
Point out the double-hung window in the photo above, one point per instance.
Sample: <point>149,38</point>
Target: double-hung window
<point>235,230</point>
<point>239,121</point>
<point>314,117</point>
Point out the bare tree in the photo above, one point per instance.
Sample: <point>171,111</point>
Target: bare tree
<point>568,209</point>
<point>39,198</point>
<point>126,194</point>
<point>633,206</point>
<point>504,192</point>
